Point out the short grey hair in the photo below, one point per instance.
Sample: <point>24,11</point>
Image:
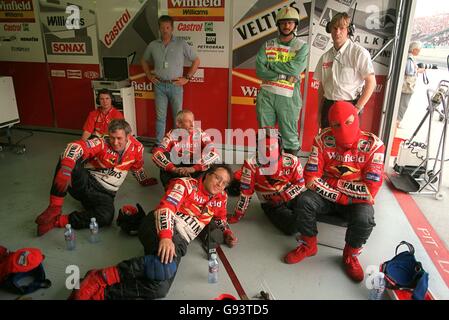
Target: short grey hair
<point>414,45</point>
<point>119,124</point>
<point>181,114</point>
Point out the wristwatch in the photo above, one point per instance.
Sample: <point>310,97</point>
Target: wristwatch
<point>188,77</point>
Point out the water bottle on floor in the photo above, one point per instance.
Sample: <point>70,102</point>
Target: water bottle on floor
<point>69,235</point>
<point>93,237</point>
<point>378,286</point>
<point>213,268</point>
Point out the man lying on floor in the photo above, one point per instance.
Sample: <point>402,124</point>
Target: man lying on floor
<point>186,208</point>
<point>92,171</point>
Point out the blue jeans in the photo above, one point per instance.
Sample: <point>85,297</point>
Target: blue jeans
<point>165,93</point>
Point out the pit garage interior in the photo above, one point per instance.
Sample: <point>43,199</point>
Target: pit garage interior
<point>46,96</point>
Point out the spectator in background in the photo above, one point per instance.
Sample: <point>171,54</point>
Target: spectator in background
<point>411,74</point>
<point>163,63</point>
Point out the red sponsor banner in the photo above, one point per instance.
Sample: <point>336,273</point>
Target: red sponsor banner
<point>16,11</point>
<point>196,10</point>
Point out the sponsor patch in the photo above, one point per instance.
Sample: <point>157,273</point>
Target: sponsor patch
<point>178,188</point>
<point>364,145</point>
<point>378,158</point>
<point>175,195</point>
<point>92,143</point>
<point>244,186</point>
<point>172,201</point>
<point>287,161</point>
<point>311,167</point>
<point>329,141</point>
<point>373,176</point>
<point>314,152</point>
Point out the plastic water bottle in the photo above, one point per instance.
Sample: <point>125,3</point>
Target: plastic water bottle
<point>93,226</point>
<point>69,235</point>
<point>378,289</point>
<point>213,268</point>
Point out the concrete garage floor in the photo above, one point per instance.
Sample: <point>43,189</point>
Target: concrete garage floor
<point>256,260</point>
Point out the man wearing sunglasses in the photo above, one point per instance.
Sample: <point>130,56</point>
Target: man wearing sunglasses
<point>187,207</point>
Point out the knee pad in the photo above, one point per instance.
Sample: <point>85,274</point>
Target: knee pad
<point>156,270</point>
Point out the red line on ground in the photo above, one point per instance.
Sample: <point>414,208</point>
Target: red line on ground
<point>430,240</point>
<point>235,281</point>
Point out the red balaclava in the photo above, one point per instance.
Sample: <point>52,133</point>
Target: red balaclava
<point>345,134</point>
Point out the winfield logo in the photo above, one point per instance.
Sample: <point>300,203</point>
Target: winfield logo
<point>117,28</point>
<point>16,11</point>
<point>68,47</point>
<point>16,5</point>
<point>196,3</point>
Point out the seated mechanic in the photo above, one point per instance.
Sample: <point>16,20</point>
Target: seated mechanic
<point>98,120</point>
<point>277,178</point>
<point>92,171</point>
<point>343,175</point>
<point>186,151</point>
<point>187,207</point>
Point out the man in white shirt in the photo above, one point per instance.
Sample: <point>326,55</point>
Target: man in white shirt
<point>345,71</point>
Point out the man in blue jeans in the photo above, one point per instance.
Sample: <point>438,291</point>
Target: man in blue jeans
<point>163,63</point>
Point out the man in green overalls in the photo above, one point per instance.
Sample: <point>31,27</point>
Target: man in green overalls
<point>279,65</point>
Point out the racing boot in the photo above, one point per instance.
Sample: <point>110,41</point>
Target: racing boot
<point>58,222</point>
<point>351,263</point>
<point>94,283</point>
<point>53,210</point>
<point>307,247</point>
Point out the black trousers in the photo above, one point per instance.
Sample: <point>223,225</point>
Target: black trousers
<point>166,176</point>
<point>98,202</point>
<point>326,105</point>
<point>284,216</point>
<point>133,282</point>
<point>360,217</point>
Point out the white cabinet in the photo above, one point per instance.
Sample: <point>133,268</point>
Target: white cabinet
<point>9,114</point>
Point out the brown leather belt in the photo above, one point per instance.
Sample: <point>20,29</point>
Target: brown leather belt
<point>166,81</point>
